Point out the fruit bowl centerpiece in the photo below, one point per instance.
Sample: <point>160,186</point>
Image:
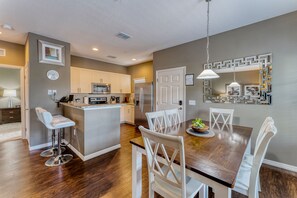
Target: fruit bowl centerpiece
<point>199,126</point>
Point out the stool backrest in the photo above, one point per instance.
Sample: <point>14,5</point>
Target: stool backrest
<point>161,166</point>
<point>45,117</point>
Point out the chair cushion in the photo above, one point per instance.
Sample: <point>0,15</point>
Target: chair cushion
<point>243,178</point>
<point>161,187</point>
<point>61,122</point>
<point>248,160</point>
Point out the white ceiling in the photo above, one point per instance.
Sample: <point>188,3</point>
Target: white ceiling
<point>153,25</point>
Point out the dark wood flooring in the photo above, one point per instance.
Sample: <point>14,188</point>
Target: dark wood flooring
<point>23,174</point>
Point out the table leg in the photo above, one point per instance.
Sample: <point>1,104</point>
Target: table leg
<point>136,172</point>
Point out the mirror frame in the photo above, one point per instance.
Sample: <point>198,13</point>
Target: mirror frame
<point>262,62</point>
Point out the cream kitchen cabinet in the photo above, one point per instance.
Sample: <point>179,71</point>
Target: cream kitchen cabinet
<point>81,80</point>
<point>100,77</point>
<point>127,114</point>
<point>120,83</point>
<point>122,114</point>
<point>74,80</point>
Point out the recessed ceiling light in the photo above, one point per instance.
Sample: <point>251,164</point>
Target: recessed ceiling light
<point>7,26</point>
<point>95,49</point>
<point>134,59</point>
<point>0,32</point>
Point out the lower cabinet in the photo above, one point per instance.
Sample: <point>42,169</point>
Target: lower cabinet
<point>127,114</point>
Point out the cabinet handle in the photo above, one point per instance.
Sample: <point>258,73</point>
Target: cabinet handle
<point>11,117</point>
<point>11,112</point>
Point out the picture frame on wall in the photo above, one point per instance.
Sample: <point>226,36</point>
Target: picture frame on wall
<point>233,91</point>
<point>189,79</point>
<point>252,90</point>
<point>51,53</point>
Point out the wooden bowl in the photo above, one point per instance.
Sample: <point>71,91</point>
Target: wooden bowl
<point>200,130</point>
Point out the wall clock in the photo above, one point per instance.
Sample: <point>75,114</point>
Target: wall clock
<point>52,75</point>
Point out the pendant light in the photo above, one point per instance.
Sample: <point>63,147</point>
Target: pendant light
<point>207,73</point>
<point>234,83</point>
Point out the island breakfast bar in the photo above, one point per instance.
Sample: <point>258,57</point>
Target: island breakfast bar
<point>97,129</point>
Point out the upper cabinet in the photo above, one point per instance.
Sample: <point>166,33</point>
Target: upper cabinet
<point>120,83</point>
<point>81,80</point>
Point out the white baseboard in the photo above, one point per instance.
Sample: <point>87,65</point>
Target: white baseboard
<point>93,155</point>
<point>280,165</point>
<point>40,146</point>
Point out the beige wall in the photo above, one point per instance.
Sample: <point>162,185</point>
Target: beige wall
<point>87,63</point>
<point>277,35</point>
<point>15,54</point>
<point>141,70</point>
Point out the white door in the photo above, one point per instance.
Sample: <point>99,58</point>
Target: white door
<point>170,90</point>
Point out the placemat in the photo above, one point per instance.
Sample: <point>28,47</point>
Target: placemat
<point>206,134</point>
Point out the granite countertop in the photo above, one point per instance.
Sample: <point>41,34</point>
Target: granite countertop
<point>83,106</point>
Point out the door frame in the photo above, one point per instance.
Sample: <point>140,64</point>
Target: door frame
<point>183,68</point>
<point>22,94</point>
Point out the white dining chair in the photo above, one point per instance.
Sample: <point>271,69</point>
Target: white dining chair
<point>172,117</point>
<point>247,177</point>
<point>166,178</point>
<point>156,121</point>
<point>248,158</point>
<point>217,115</point>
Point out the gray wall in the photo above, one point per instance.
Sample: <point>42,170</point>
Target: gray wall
<point>277,35</point>
<point>9,79</point>
<point>39,85</point>
<point>87,63</point>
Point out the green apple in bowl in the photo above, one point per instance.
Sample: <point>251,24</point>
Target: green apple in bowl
<point>199,126</point>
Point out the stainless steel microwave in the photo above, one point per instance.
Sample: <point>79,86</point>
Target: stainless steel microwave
<point>101,88</point>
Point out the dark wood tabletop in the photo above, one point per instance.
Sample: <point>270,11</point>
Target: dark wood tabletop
<point>217,158</point>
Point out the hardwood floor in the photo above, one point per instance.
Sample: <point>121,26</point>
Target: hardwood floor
<point>23,174</point>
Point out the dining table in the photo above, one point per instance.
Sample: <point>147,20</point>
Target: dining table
<point>214,161</point>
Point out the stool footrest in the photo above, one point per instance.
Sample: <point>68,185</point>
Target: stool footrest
<point>51,152</point>
<point>59,160</point>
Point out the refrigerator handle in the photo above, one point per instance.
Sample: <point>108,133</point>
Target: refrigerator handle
<point>141,99</point>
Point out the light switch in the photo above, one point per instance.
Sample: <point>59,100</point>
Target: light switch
<point>49,92</point>
<point>192,102</point>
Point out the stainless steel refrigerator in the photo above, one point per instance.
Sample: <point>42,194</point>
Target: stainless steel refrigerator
<point>144,102</point>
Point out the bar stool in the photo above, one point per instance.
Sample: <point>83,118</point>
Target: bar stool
<point>53,150</point>
<point>57,123</point>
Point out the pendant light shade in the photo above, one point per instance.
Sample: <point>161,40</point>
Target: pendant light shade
<point>234,84</point>
<point>208,74</point>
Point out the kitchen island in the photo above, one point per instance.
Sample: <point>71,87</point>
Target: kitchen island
<point>97,129</point>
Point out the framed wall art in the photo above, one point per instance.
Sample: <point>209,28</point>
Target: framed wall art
<point>233,91</point>
<point>252,90</point>
<point>189,79</point>
<point>51,53</point>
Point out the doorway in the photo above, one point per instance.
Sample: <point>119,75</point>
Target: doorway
<point>170,90</point>
<point>11,102</point>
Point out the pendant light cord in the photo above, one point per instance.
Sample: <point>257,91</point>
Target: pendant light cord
<point>207,34</point>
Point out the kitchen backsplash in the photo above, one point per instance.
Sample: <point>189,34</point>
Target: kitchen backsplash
<point>122,97</point>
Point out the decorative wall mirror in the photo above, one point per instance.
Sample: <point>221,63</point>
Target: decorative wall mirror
<point>253,74</point>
